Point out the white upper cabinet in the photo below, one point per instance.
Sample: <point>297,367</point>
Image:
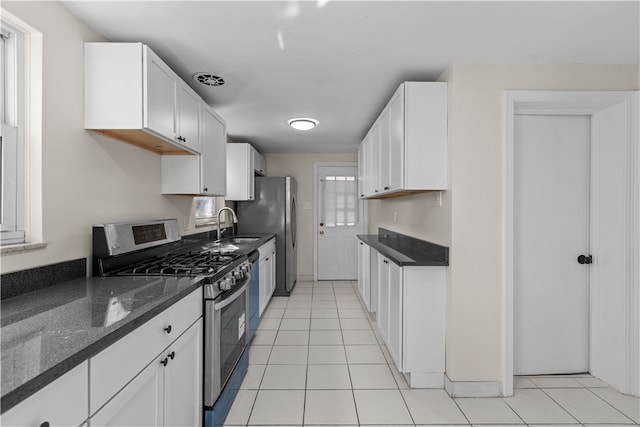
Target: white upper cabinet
<point>259,163</point>
<point>205,173</point>
<point>188,117</point>
<point>214,153</point>
<point>160,89</point>
<point>243,163</point>
<point>408,143</point>
<point>133,96</point>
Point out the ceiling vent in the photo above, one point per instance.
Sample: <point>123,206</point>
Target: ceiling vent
<point>208,79</point>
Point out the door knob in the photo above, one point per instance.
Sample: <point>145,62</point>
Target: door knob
<point>585,259</point>
<point>322,224</point>
<point>321,231</point>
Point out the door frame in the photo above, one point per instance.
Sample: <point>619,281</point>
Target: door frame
<point>580,103</point>
<point>316,193</point>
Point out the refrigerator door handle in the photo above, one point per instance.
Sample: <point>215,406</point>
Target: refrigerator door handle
<point>293,220</point>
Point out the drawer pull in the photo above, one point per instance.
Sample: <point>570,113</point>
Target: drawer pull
<point>45,424</point>
<point>172,355</point>
<point>164,361</point>
<point>168,329</point>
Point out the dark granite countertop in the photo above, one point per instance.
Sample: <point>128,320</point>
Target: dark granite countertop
<point>406,250</point>
<point>47,332</point>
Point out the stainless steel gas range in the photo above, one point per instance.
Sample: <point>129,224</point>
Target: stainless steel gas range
<point>155,249</point>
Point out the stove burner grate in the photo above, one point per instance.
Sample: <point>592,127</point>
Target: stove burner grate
<point>181,264</point>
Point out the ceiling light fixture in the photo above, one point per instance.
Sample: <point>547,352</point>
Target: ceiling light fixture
<point>303,123</point>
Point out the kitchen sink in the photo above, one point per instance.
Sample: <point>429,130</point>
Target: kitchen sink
<point>243,239</point>
<point>230,244</point>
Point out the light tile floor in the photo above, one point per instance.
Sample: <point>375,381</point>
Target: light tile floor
<point>317,361</point>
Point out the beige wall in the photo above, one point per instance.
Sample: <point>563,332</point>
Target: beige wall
<point>87,178</point>
<point>418,215</point>
<point>471,219</point>
<point>300,166</point>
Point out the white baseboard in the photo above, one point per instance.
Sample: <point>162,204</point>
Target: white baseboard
<point>472,388</point>
<point>424,380</point>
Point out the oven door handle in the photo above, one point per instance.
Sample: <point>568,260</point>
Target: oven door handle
<point>222,304</point>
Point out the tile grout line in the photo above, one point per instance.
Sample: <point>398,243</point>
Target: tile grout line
<point>344,346</point>
<point>611,405</point>
<point>559,404</point>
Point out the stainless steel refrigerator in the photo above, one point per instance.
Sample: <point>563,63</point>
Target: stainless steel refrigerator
<point>274,211</point>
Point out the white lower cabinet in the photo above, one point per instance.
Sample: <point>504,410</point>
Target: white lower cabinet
<point>140,403</point>
<point>64,402</point>
<point>394,336</point>
<point>364,274</point>
<point>183,378</point>
<point>267,271</point>
<point>389,305</point>
<point>168,392</point>
<point>373,282</point>
<point>409,303</point>
<point>153,375</point>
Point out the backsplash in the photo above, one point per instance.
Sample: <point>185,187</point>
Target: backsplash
<point>33,279</point>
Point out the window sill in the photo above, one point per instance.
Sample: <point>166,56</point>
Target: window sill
<point>205,224</point>
<point>22,247</point>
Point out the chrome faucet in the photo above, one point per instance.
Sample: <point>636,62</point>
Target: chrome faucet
<point>226,208</point>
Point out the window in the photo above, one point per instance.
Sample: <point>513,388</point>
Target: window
<point>339,201</point>
<point>12,166</point>
<point>20,134</point>
<point>205,209</point>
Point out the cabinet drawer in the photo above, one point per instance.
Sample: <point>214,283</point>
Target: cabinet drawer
<point>61,403</point>
<point>118,364</point>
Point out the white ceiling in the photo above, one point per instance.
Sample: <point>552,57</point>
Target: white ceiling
<point>340,61</point>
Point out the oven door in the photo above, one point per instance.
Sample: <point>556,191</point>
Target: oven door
<point>225,340</point>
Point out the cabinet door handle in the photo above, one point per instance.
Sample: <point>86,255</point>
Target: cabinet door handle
<point>45,424</point>
<point>387,188</point>
<point>206,189</point>
<point>168,329</point>
<point>172,355</point>
<point>385,261</point>
<point>164,361</point>
<point>266,259</point>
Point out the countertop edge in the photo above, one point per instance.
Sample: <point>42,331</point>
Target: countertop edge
<point>391,252</point>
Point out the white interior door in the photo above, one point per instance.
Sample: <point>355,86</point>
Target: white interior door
<point>339,216</point>
<point>551,229</point>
